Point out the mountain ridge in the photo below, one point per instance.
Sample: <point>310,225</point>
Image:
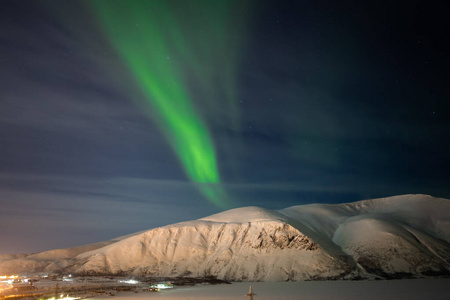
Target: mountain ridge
<point>393,237</point>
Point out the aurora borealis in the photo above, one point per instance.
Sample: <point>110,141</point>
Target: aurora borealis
<point>120,116</point>
<point>152,39</point>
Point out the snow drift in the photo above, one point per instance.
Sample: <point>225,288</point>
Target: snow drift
<point>401,236</point>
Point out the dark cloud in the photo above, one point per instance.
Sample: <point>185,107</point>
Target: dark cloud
<point>51,212</point>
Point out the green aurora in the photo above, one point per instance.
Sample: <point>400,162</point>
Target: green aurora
<point>173,49</point>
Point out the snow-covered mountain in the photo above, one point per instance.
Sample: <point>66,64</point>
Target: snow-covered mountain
<point>398,236</point>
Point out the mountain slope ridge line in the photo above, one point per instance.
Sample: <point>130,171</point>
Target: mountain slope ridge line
<point>393,237</point>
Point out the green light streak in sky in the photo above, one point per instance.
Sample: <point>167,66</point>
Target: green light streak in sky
<point>168,45</point>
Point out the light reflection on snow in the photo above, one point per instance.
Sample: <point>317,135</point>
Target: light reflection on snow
<point>63,298</point>
<point>129,281</point>
<point>162,286</point>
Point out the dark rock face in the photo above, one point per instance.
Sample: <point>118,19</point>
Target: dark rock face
<point>284,237</point>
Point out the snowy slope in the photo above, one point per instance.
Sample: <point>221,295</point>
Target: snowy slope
<point>390,237</point>
<point>48,261</point>
<point>241,244</point>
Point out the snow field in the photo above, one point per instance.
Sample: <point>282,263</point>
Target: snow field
<point>411,289</point>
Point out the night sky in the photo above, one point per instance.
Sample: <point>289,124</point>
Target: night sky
<point>121,116</point>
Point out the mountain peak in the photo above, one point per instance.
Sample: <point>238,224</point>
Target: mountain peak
<point>245,215</point>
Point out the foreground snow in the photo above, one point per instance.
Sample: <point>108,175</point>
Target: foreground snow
<point>412,289</point>
<point>391,237</point>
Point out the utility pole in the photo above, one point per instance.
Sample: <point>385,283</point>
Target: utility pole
<point>57,290</point>
<point>250,294</point>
